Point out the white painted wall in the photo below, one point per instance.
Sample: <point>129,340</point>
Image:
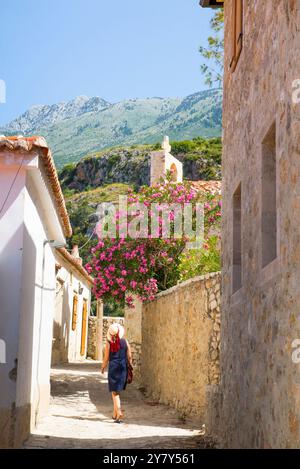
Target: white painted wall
<point>161,162</point>
<point>27,292</point>
<point>72,339</point>
<point>11,257</point>
<point>35,338</point>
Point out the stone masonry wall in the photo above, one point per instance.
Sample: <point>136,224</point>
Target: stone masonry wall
<point>260,384</point>
<point>107,321</point>
<point>133,328</point>
<point>93,337</point>
<point>180,344</point>
<point>95,325</point>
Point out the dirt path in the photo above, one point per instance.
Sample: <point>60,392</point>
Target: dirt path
<point>80,416</point>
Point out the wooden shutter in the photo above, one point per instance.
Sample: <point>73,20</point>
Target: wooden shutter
<point>236,32</point>
<point>233,36</point>
<point>238,28</point>
<point>74,313</point>
<point>84,327</point>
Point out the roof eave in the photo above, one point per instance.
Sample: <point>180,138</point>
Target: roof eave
<point>211,3</point>
<point>75,264</point>
<point>39,145</point>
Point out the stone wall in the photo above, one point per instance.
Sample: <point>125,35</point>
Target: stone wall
<point>107,321</point>
<point>260,384</point>
<point>180,344</point>
<point>133,327</point>
<point>95,334</point>
<point>94,338</point>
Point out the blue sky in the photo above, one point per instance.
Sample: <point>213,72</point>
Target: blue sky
<point>54,50</point>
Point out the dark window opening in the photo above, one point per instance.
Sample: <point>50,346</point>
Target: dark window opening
<point>269,209</point>
<point>237,240</point>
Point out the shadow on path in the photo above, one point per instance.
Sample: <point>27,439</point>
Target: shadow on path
<point>81,410</point>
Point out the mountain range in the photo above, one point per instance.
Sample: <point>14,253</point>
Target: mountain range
<point>84,125</point>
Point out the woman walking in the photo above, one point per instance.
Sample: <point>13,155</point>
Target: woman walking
<point>118,355</point>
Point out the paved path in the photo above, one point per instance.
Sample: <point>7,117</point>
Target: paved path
<point>81,409</point>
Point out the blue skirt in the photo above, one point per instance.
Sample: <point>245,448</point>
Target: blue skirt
<point>117,369</point>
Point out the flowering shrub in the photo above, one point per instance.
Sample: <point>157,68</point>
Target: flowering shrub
<point>196,262</point>
<point>152,261</point>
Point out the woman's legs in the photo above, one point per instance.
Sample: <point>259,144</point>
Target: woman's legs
<point>117,404</point>
<point>115,407</point>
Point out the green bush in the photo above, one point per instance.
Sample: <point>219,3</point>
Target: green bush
<point>202,261</point>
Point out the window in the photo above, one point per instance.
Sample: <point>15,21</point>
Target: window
<point>237,241</point>
<point>236,32</point>
<point>83,328</point>
<point>268,203</point>
<point>174,172</point>
<point>74,313</point>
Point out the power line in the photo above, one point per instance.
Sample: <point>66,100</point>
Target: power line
<point>80,247</point>
<point>12,185</point>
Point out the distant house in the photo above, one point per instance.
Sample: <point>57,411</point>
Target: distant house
<point>72,308</point>
<point>33,223</point>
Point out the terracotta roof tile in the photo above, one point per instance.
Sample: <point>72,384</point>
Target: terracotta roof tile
<point>213,187</point>
<point>39,144</point>
<point>76,263</point>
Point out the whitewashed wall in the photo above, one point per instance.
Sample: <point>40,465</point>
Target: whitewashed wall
<point>11,256</point>
<point>71,340</point>
<point>26,294</point>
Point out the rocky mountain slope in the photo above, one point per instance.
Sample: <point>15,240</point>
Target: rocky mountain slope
<point>88,125</point>
<point>131,165</point>
<point>42,116</point>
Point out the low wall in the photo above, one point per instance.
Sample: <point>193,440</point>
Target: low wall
<point>181,344</point>
<point>95,334</point>
<point>98,327</point>
<point>94,338</point>
<point>133,327</point>
<point>107,321</point>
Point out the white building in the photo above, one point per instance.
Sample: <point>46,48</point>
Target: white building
<point>32,213</point>
<point>72,307</point>
<point>162,161</point>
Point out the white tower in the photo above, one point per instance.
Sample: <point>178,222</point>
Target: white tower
<point>162,161</point>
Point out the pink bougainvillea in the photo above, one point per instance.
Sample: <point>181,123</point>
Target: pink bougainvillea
<point>123,266</point>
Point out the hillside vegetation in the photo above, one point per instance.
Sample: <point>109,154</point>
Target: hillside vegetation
<point>104,176</point>
<point>201,159</point>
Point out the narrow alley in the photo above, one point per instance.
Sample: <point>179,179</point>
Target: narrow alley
<point>81,410</point>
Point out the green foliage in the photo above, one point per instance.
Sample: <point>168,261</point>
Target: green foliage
<point>202,261</point>
<point>67,172</point>
<point>80,217</point>
<point>113,160</point>
<point>68,192</point>
<point>82,208</point>
<point>113,309</point>
<point>199,148</point>
<point>213,53</point>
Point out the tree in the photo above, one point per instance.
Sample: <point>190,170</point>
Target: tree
<point>214,51</point>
